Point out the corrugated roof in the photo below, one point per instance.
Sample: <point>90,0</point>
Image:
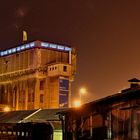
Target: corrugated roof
<point>39,115</point>
<point>14,116</point>
<point>45,115</point>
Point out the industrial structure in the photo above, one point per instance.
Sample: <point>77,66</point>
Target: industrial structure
<point>36,75</point>
<point>115,117</point>
<point>31,125</point>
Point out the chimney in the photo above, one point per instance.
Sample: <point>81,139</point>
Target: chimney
<point>134,82</point>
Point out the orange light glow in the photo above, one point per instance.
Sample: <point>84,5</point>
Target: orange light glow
<point>6,109</point>
<point>82,91</point>
<point>77,103</point>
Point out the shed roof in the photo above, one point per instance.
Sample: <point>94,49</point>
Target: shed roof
<point>40,115</point>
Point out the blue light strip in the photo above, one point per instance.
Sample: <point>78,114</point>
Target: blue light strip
<point>17,49</point>
<point>32,45</point>
<point>55,46</point>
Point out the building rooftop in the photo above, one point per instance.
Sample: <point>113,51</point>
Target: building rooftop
<point>40,115</point>
<point>127,94</point>
<point>35,44</point>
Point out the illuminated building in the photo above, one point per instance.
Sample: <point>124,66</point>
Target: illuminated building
<point>37,75</point>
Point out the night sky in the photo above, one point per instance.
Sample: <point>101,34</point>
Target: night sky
<point>105,33</point>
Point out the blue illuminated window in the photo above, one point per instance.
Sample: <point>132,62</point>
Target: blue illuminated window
<point>43,44</point>
<point>5,52</point>
<point>22,47</point>
<point>10,51</point>
<point>53,46</point>
<point>1,53</point>
<point>18,48</point>
<point>32,44</point>
<point>60,47</point>
<point>67,49</point>
<point>27,46</point>
<point>13,50</point>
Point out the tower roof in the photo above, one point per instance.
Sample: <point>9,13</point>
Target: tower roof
<point>35,44</point>
<point>134,80</point>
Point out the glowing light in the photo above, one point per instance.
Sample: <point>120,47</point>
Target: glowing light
<point>32,44</point>
<point>13,50</point>
<point>60,47</point>
<point>9,51</point>
<point>53,46</point>
<point>27,46</point>
<point>82,91</point>
<point>67,49</point>
<point>43,44</point>
<point>22,47</point>
<point>77,103</point>
<point>18,48</point>
<point>5,52</point>
<point>6,109</point>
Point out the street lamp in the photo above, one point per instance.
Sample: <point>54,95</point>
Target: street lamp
<point>82,91</point>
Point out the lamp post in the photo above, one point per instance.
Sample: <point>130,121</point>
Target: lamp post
<point>82,91</point>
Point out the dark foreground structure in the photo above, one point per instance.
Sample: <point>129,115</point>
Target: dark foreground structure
<point>41,124</point>
<point>26,131</point>
<point>115,117</point>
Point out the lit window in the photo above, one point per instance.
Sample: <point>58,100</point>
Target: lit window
<point>43,44</point>
<point>32,44</point>
<point>22,133</point>
<point>53,46</point>
<point>60,47</point>
<point>27,46</point>
<point>5,52</point>
<point>10,51</point>
<point>1,53</point>
<point>67,49</point>
<point>18,48</point>
<point>22,47</point>
<point>9,132</point>
<point>14,50</point>
<point>18,133</point>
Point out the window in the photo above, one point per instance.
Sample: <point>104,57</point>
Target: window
<point>41,98</point>
<point>65,68</point>
<point>31,97</point>
<point>42,84</point>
